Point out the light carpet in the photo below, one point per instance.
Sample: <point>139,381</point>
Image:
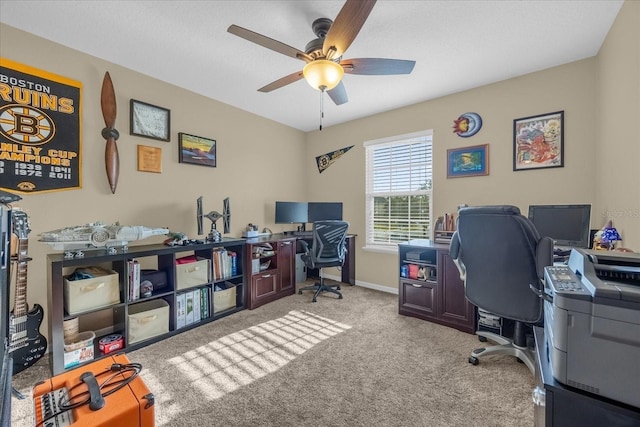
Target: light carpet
<point>349,362</point>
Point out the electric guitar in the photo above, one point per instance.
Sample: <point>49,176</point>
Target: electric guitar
<point>26,344</point>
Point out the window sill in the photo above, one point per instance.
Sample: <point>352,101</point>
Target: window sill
<point>381,249</point>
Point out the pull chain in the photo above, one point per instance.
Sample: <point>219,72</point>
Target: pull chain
<point>322,90</point>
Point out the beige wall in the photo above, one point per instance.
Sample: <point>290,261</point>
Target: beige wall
<point>257,158</point>
<point>618,139</point>
<point>261,161</point>
<point>569,88</point>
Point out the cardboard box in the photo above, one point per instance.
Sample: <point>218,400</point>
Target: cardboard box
<point>147,320</point>
<point>193,274</point>
<point>88,294</point>
<point>225,299</point>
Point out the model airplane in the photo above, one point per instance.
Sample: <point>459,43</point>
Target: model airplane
<point>98,235</point>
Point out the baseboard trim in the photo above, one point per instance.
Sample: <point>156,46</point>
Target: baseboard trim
<point>373,286</point>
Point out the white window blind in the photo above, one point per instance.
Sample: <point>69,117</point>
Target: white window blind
<point>399,189</point>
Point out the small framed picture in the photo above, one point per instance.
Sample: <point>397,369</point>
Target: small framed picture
<point>197,150</point>
<point>538,141</point>
<point>468,161</point>
<point>149,121</point>
<point>149,159</point>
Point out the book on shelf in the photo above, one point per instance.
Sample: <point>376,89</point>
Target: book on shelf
<point>225,263</point>
<point>197,306</point>
<point>180,311</point>
<point>133,267</point>
<point>188,308</point>
<point>444,228</point>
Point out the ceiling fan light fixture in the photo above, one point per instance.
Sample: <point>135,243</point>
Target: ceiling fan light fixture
<point>323,74</point>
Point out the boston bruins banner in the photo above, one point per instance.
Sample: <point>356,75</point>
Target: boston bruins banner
<point>326,160</point>
<point>40,117</point>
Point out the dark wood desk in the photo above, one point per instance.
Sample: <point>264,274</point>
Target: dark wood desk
<point>567,406</point>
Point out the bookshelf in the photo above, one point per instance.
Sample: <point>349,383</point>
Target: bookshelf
<point>209,286</point>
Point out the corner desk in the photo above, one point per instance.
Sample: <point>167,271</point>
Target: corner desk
<point>271,273</point>
<point>437,295</point>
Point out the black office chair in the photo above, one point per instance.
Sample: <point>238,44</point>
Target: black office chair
<point>328,249</point>
<point>500,255</point>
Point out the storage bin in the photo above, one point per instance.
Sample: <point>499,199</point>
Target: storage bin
<point>79,349</point>
<point>88,294</point>
<point>147,320</point>
<point>193,274</point>
<point>224,299</point>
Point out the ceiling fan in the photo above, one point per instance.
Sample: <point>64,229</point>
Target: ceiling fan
<point>323,55</point>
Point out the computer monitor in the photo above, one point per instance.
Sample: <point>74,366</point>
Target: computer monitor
<point>567,225</point>
<point>291,213</point>
<point>321,211</point>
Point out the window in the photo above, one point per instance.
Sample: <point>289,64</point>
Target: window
<point>399,189</point>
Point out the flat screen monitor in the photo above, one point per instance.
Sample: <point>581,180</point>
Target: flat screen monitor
<point>291,212</point>
<point>567,225</point>
<point>321,211</point>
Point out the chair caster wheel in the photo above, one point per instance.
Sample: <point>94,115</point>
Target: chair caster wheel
<point>339,296</point>
<point>474,360</point>
<point>482,339</point>
<point>299,292</point>
<point>338,288</point>
<point>314,300</point>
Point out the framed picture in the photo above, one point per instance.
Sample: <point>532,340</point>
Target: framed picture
<point>149,159</point>
<point>197,150</point>
<point>538,141</point>
<point>149,121</point>
<point>468,161</point>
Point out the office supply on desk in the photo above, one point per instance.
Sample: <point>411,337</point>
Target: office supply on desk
<point>499,254</point>
<point>592,323</point>
<point>328,249</point>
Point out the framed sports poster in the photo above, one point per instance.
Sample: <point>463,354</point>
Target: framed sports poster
<point>40,116</point>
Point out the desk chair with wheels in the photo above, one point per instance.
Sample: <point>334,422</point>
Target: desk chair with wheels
<point>328,249</point>
<point>500,255</point>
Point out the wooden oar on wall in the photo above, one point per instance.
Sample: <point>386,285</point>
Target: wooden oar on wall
<point>111,159</point>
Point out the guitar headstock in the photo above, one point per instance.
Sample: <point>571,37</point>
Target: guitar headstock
<point>20,221</point>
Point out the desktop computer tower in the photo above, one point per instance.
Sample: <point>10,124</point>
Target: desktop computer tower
<point>490,322</point>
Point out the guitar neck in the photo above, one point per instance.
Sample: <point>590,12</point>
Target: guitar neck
<point>20,307</point>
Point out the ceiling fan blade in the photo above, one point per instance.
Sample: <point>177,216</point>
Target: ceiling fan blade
<point>291,78</point>
<point>377,66</point>
<point>338,94</point>
<point>269,43</point>
<point>346,27</point>
<point>108,101</point>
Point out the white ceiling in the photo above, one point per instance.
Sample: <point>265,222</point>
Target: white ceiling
<point>457,45</point>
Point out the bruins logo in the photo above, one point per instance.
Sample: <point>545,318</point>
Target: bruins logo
<point>26,125</point>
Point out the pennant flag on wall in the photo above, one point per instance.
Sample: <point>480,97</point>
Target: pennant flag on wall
<point>326,160</point>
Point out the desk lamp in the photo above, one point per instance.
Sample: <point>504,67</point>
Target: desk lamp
<point>609,237</point>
